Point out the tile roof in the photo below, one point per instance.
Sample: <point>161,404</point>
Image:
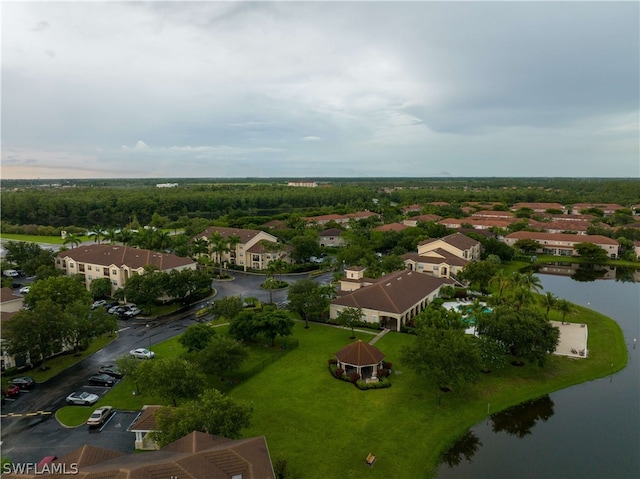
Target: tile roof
<point>146,421</point>
<point>394,293</point>
<point>225,231</point>
<point>391,227</point>
<point>331,232</point>
<point>458,240</point>
<point>191,457</point>
<point>7,294</point>
<point>360,353</point>
<point>596,239</point>
<point>107,255</point>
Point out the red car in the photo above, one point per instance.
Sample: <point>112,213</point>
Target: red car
<point>11,391</point>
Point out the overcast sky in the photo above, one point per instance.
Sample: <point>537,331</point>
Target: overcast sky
<point>305,89</point>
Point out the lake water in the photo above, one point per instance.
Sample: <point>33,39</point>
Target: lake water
<point>591,430</point>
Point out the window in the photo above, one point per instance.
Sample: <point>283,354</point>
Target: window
<point>114,272</point>
<point>90,277</point>
<point>70,264</point>
<point>89,267</point>
<point>81,268</point>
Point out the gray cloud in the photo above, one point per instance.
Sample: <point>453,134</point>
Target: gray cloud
<point>382,88</point>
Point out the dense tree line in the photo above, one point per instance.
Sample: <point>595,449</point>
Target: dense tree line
<point>111,205</point>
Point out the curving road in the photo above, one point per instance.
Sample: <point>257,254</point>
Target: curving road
<point>26,437</point>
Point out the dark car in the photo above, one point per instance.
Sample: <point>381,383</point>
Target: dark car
<point>111,370</point>
<point>23,382</point>
<point>102,380</point>
<point>11,391</point>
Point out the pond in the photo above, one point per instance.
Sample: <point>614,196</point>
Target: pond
<point>591,430</point>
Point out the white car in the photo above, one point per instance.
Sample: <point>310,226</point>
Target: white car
<point>132,312</point>
<point>82,398</point>
<point>100,415</point>
<point>142,353</point>
<point>98,303</point>
<point>24,289</point>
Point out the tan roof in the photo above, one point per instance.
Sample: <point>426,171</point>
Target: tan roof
<point>107,255</point>
<point>538,206</point>
<point>440,256</point>
<point>392,227</point>
<point>88,455</point>
<point>360,353</point>
<point>425,218</point>
<point>331,232</point>
<point>191,457</point>
<point>145,421</point>
<point>394,293</point>
<point>7,294</point>
<point>458,240</point>
<point>595,239</point>
<point>226,232</point>
<point>494,214</point>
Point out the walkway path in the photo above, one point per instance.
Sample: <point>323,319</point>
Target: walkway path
<point>379,335</point>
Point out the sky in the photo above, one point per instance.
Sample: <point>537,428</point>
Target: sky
<point>302,89</point>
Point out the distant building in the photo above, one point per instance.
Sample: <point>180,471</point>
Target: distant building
<point>303,184</point>
<point>166,185</point>
<point>564,244</point>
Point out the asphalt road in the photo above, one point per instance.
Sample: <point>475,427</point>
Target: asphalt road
<point>29,438</point>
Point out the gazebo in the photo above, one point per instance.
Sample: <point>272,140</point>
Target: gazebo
<point>362,357</point>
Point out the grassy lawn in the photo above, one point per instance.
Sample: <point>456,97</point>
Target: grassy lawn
<point>60,363</point>
<point>74,416</point>
<point>325,428</point>
<point>40,239</point>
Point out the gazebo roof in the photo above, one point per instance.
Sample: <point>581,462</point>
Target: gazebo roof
<point>359,353</point>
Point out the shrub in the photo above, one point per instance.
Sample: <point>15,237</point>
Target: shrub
<point>381,384</point>
<point>387,365</point>
<point>333,361</point>
<point>338,373</point>
<point>354,377</point>
<point>382,373</point>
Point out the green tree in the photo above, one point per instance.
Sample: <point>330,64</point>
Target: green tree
<point>72,239</point>
<point>128,365</point>
<point>196,337</point>
<point>526,245</point>
<point>100,288</point>
<point>62,290</point>
<point>222,355</point>
<point>525,332</point>
<point>591,251</point>
<point>212,413</point>
<point>171,378</point>
<point>218,245</point>
<point>244,326</point>
<point>228,307</point>
<point>36,333</point>
<point>565,308</point>
<point>304,247</point>
<point>548,301</point>
<point>81,324</point>
<point>308,299</point>
<point>479,273</point>
<point>273,323</point>
<point>349,318</point>
<point>270,284</point>
<point>441,350</point>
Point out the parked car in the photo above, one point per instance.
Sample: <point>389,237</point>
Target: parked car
<point>111,370</point>
<point>96,304</point>
<point>142,353</point>
<point>23,382</point>
<point>11,391</point>
<point>131,313</point>
<point>82,398</point>
<point>102,380</point>
<point>24,289</point>
<point>113,308</point>
<point>100,415</point>
<point>12,273</point>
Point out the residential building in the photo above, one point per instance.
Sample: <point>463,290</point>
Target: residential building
<point>195,456</point>
<point>539,207</point>
<point>391,227</point>
<point>564,244</point>
<point>413,221</point>
<point>393,300</point>
<point>607,208</point>
<point>116,262</point>
<point>457,244</point>
<point>10,304</point>
<point>142,426</point>
<point>340,219</point>
<point>245,247</point>
<point>303,184</point>
<point>331,237</point>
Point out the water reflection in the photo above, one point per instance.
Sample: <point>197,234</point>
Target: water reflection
<point>520,420</point>
<point>464,448</point>
<point>583,272</point>
<point>516,421</point>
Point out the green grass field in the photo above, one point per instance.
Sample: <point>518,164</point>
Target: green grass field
<point>325,428</point>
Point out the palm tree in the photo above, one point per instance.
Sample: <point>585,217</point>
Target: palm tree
<point>565,308</point>
<point>530,281</point>
<point>500,281</point>
<point>73,239</point>
<point>233,241</point>
<point>199,247</point>
<point>163,239</point>
<point>218,245</point>
<point>549,300</point>
<point>111,235</point>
